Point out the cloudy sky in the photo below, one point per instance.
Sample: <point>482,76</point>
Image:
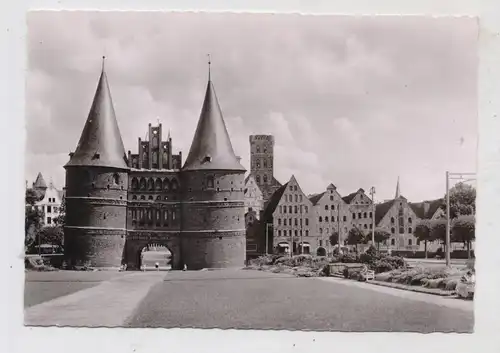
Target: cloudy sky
<point>356,101</point>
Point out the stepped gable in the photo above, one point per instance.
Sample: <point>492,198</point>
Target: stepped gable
<point>101,143</point>
<point>211,148</point>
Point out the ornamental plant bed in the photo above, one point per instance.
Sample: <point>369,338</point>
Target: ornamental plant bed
<point>442,278</point>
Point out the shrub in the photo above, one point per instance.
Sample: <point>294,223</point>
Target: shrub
<point>349,258</point>
<point>451,283</point>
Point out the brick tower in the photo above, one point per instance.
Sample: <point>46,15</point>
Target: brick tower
<point>262,164</point>
<point>213,224</point>
<point>96,188</point>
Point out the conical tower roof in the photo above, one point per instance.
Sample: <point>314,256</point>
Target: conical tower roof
<point>101,143</point>
<point>40,182</point>
<point>211,148</point>
<point>398,192</point>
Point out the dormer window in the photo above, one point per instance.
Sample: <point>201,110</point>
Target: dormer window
<point>96,155</point>
<point>207,159</point>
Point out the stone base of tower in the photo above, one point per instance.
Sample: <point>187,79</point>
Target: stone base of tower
<point>213,250</point>
<point>98,248</point>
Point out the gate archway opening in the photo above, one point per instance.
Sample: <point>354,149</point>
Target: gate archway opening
<point>305,248</point>
<point>155,257</point>
<point>321,251</point>
<point>283,248</point>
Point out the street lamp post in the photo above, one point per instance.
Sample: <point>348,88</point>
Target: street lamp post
<point>372,193</point>
<point>301,238</point>
<point>267,236</point>
<point>338,227</point>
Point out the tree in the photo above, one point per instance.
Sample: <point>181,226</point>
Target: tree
<point>334,238</point>
<point>355,237</point>
<point>463,229</point>
<point>438,231</point>
<point>381,235</point>
<point>423,232</point>
<point>462,200</point>
<point>61,219</point>
<point>52,235</point>
<point>33,217</point>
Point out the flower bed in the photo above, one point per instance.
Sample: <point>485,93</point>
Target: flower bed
<point>428,277</point>
<point>309,265</point>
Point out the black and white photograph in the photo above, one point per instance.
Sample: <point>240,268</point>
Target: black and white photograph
<point>251,171</point>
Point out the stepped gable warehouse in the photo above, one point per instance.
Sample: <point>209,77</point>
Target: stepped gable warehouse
<point>119,203</point>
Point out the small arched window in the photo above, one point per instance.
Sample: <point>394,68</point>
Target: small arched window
<point>326,207</point>
<point>393,241</point>
<point>410,230</point>
<point>257,179</point>
<point>135,184</point>
<point>257,149</point>
<point>265,178</point>
<point>290,209</point>
<point>365,215</point>
<point>116,179</point>
<point>296,209</point>
<point>158,185</point>
<point>410,242</point>
<point>134,197</point>
<point>321,231</point>
<point>143,197</point>
<point>142,184</point>
<point>174,184</point>
<point>409,220</point>
<point>393,231</point>
<point>392,220</point>
<point>150,184</point>
<point>210,182</point>
<point>320,219</point>
<point>166,184</point>
<point>264,162</point>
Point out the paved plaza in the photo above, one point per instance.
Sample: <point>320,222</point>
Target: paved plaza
<point>243,299</point>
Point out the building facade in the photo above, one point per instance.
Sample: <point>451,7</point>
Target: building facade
<point>49,200</point>
<point>330,217</point>
<point>254,199</point>
<point>117,204</point>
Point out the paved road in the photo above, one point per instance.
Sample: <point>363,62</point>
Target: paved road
<point>40,287</point>
<point>235,299</point>
<point>259,300</point>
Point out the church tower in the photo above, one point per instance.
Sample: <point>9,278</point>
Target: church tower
<point>96,188</point>
<point>213,222</point>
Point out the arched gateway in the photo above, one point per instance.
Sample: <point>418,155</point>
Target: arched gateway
<point>137,241</point>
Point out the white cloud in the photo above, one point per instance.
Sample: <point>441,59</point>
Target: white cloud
<point>353,101</point>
